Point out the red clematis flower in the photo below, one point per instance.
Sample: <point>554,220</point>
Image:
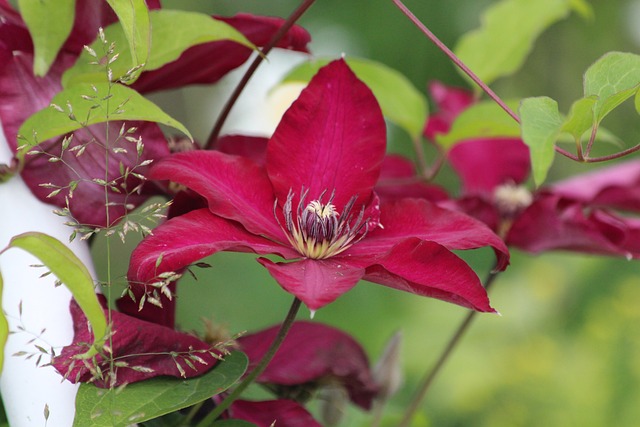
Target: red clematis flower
<point>141,350</point>
<point>313,204</point>
<point>313,357</point>
<point>580,214</point>
<point>577,214</point>
<point>22,94</point>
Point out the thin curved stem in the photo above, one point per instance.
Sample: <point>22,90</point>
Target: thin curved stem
<point>592,138</point>
<point>452,56</point>
<point>295,15</point>
<point>430,376</point>
<point>613,156</point>
<point>262,365</point>
<point>567,154</point>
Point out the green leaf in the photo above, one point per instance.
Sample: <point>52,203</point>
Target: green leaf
<point>49,23</point>
<point>134,20</point>
<point>541,125</point>
<point>109,102</point>
<point>482,120</point>
<point>172,32</point>
<point>637,102</point>
<point>613,78</point>
<point>581,117</point>
<point>582,8</point>
<point>4,327</point>
<point>68,268</point>
<point>155,397</point>
<point>400,101</point>
<point>508,31</point>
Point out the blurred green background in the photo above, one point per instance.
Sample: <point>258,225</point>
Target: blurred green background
<point>566,350</point>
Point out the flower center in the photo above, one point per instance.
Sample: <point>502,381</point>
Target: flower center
<point>317,230</point>
<point>511,199</point>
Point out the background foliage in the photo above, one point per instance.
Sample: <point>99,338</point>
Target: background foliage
<point>566,350</point>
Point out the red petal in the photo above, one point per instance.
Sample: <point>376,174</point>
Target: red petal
<point>235,187</point>
<point>398,179</point>
<point>450,101</point>
<point>251,147</point>
<point>409,218</point>
<point>281,413</point>
<point>616,186</point>
<point>88,202</point>
<point>190,237</point>
<point>91,15</point>
<point>429,269</point>
<point>333,137</point>
<point>261,29</point>
<point>164,315</point>
<point>9,14</point>
<point>481,208</point>
<point>151,344</point>
<point>208,62</point>
<point>314,353</point>
<point>22,93</point>
<point>553,223</point>
<point>315,282</point>
<point>483,164</point>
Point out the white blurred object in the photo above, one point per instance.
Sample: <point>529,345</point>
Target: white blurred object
<point>257,111</point>
<point>26,389</point>
<point>632,18</point>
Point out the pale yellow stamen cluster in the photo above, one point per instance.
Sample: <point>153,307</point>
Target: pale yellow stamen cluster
<point>322,211</point>
<point>510,199</point>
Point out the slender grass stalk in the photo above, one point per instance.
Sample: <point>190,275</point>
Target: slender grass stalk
<point>262,365</point>
<point>428,379</point>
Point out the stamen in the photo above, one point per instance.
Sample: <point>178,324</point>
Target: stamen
<point>319,231</point>
<point>511,199</point>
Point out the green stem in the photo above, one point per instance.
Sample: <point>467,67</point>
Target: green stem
<point>262,365</point>
<point>295,15</point>
<point>428,379</point>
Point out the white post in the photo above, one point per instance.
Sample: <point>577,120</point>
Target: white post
<point>27,389</point>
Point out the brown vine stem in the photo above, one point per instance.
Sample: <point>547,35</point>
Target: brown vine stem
<point>452,56</point>
<point>291,20</point>
<point>427,381</point>
<point>613,156</point>
<point>259,369</point>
